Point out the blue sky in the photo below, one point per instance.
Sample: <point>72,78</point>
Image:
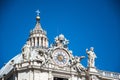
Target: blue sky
<point>84,23</point>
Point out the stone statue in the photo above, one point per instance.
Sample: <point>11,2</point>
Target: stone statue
<point>66,42</point>
<point>76,61</point>
<point>26,51</point>
<point>42,56</point>
<point>91,57</point>
<point>61,41</point>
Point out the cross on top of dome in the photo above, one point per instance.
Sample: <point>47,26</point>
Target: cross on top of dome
<point>38,12</point>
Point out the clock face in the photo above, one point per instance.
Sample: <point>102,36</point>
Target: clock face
<point>60,57</point>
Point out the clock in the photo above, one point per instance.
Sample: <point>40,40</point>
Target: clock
<point>60,57</point>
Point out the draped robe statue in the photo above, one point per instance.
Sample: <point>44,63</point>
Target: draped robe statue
<point>91,57</point>
<point>26,51</point>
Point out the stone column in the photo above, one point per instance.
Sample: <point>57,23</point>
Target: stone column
<point>46,42</point>
<point>32,41</point>
<point>35,41</point>
<point>43,42</point>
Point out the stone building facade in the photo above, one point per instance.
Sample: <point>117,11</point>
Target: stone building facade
<point>39,61</point>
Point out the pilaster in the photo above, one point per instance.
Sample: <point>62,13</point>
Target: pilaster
<point>50,75</point>
<point>31,75</point>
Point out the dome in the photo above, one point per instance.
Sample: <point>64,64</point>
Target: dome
<point>9,66</point>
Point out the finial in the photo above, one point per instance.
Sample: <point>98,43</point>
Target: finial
<point>38,12</point>
<point>38,17</point>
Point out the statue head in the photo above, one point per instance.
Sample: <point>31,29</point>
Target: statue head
<point>92,49</point>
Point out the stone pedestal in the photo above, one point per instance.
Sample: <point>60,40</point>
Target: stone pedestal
<point>92,69</point>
